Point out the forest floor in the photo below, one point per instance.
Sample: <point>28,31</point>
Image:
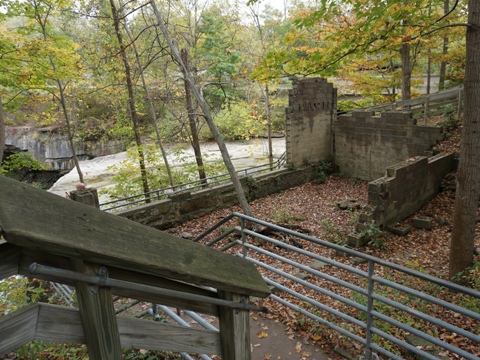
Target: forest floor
<point>313,208</point>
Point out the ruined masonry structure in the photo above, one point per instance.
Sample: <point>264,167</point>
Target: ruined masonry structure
<point>309,121</point>
<point>365,145</point>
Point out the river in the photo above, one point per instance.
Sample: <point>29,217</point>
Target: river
<point>96,172</point>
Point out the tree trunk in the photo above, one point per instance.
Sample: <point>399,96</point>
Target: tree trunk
<point>406,71</point>
<point>429,72</point>
<point>206,112</point>
<point>191,120</point>
<point>70,133</point>
<point>131,101</point>
<point>269,126</point>
<point>63,103</point>
<point>443,63</point>
<point>2,132</point>
<point>468,174</point>
<point>152,108</point>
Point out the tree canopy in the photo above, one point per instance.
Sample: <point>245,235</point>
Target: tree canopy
<point>111,70</point>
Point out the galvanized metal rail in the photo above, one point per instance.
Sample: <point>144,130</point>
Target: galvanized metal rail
<point>154,195</point>
<point>369,310</point>
<point>372,310</point>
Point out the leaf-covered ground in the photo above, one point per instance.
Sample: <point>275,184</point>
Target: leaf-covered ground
<point>312,209</point>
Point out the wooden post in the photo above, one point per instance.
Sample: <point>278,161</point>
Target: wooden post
<point>234,329</point>
<point>88,197</point>
<point>426,109</point>
<point>99,321</point>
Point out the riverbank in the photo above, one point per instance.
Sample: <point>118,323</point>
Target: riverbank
<point>98,172</point>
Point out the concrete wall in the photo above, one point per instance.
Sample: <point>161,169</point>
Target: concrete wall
<point>187,206</point>
<point>309,118</point>
<point>366,144</point>
<point>406,188</point>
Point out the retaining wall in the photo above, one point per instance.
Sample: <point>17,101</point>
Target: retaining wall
<point>190,205</point>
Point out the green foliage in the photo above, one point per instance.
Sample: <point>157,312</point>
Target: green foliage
<point>333,233</point>
<point>22,161</point>
<point>449,114</point>
<point>348,105</point>
<point>372,232</point>
<point>469,277</point>
<point>135,354</point>
<point>41,350</point>
<point>285,216</point>
<point>127,180</point>
<point>17,291</point>
<point>323,169</point>
<point>251,182</point>
<point>238,121</point>
<point>291,166</point>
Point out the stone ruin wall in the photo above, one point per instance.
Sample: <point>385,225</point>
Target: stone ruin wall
<point>391,150</point>
<point>365,145</point>
<point>406,188</point>
<point>309,118</point>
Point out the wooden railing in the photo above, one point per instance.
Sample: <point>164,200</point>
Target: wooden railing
<point>450,100</point>
<point>55,239</point>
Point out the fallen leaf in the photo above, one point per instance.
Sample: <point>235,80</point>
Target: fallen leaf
<point>262,334</point>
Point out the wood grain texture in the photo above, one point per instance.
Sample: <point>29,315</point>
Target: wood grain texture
<point>38,220</point>
<point>9,260</point>
<point>28,257</point>
<point>18,328</point>
<point>144,334</point>
<point>234,330</point>
<point>99,321</point>
<point>59,324</point>
<point>55,323</point>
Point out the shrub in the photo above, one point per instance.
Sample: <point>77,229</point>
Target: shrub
<point>127,180</point>
<point>20,162</point>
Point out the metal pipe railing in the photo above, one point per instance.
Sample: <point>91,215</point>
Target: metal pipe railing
<point>148,289</point>
<point>181,322</point>
<point>372,292</point>
<point>163,193</point>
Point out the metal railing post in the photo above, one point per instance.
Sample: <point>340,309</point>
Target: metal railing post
<point>368,355</point>
<point>244,238</point>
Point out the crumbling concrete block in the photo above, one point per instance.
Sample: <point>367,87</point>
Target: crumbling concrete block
<point>400,230</point>
<point>422,223</point>
<point>356,240</point>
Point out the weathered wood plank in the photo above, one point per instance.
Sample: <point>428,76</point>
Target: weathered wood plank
<point>157,336</point>
<point>136,333</point>
<point>234,330</point>
<point>9,260</point>
<point>55,323</point>
<point>28,257</point>
<point>99,321</point>
<point>18,328</point>
<point>41,221</point>
<point>59,324</point>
